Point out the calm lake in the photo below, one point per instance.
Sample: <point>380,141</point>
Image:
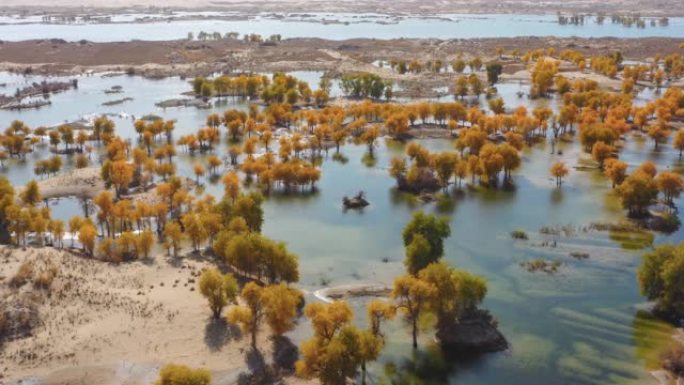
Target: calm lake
<point>328,26</point>
<point>580,326</point>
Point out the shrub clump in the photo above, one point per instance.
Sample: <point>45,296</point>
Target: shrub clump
<point>519,234</point>
<point>549,267</point>
<point>18,316</point>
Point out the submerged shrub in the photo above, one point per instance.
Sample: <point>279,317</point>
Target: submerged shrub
<point>519,234</point>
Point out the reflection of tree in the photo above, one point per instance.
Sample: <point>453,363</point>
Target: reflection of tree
<point>402,198</point>
<point>369,160</point>
<point>446,203</point>
<point>632,240</point>
<point>429,366</point>
<point>340,158</point>
<point>556,196</point>
<point>423,367</point>
<point>652,337</point>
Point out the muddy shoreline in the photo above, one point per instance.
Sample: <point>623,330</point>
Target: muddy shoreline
<point>193,58</point>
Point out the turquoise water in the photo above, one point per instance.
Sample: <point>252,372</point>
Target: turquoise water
<point>576,327</point>
<point>448,26</point>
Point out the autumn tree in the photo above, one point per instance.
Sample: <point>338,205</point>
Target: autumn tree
<point>458,293</point>
<point>678,142</point>
<point>337,348</point>
<point>377,312</point>
<point>30,195</point>
<point>172,374</point>
<point>173,236</point>
<point>670,184</point>
<point>86,236</point>
<point>194,229</point>
<point>600,152</point>
<point>144,242</point>
<point>7,202</point>
<point>559,171</point>
<point>369,136</point>
<point>638,191</point>
<point>659,133</point>
<point>219,289</point>
<point>56,228</point>
<point>199,171</point>
<point>121,175</point>
<point>444,164</point>
<point>281,303</point>
<point>231,183</point>
<point>616,170</point>
<point>255,255</point>
<point>412,298</point>
<point>276,303</point>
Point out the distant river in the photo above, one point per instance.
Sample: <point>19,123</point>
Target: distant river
<point>335,27</point>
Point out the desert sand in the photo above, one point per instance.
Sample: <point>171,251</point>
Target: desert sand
<point>78,182</point>
<point>116,324</point>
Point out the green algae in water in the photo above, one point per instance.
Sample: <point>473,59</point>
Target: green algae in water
<point>652,337</point>
<point>633,240</point>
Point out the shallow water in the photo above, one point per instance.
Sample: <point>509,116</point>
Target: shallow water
<point>579,326</point>
<point>336,27</point>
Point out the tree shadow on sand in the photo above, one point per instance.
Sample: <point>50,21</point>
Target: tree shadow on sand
<point>285,354</point>
<point>261,372</point>
<point>218,332</point>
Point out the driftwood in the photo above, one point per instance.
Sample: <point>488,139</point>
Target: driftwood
<point>357,202</point>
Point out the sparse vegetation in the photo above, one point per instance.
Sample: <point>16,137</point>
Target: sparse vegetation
<point>542,265</point>
<point>519,234</point>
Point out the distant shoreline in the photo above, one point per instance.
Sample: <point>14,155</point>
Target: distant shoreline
<point>158,59</point>
<point>668,8</point>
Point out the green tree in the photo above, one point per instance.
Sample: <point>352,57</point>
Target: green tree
<point>493,71</point>
<point>661,278</point>
<point>418,254</point>
<point>433,230</point>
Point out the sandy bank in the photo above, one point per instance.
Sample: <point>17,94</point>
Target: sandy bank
<point>115,324</point>
<point>83,182</point>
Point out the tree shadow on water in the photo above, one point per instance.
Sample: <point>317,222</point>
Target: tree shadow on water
<point>218,332</point>
<point>431,365</point>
